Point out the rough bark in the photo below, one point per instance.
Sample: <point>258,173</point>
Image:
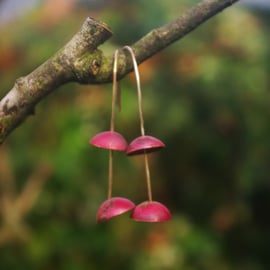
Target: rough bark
<point>81,61</point>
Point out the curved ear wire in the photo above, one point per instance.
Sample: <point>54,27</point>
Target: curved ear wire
<point>136,70</point>
<point>114,94</point>
<point>114,88</point>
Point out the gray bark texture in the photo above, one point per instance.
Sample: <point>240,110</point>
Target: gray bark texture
<point>81,61</point>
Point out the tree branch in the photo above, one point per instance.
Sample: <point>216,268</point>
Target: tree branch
<point>81,61</point>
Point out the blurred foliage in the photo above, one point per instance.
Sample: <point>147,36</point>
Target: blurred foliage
<point>207,97</point>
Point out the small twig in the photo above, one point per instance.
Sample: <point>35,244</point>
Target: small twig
<point>15,207</point>
<point>33,187</point>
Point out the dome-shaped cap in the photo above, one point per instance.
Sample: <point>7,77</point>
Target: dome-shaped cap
<point>144,144</point>
<point>109,140</point>
<point>113,207</point>
<point>151,211</point>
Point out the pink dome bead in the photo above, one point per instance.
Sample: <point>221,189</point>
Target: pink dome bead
<point>151,211</point>
<point>144,144</point>
<point>113,207</point>
<point>109,140</point>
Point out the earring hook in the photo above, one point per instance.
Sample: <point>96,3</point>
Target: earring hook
<point>136,70</point>
<point>114,88</point>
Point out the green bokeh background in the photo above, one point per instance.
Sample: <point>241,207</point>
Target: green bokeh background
<point>207,97</point>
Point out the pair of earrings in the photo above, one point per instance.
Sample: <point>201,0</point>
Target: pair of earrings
<point>149,210</point>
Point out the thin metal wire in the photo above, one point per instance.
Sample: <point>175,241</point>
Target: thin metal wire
<point>148,178</point>
<point>114,89</point>
<point>147,170</point>
<point>110,177</point>
<point>114,95</point>
<point>136,70</point>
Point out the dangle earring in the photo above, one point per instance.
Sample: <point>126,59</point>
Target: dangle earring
<point>113,141</point>
<point>147,211</point>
